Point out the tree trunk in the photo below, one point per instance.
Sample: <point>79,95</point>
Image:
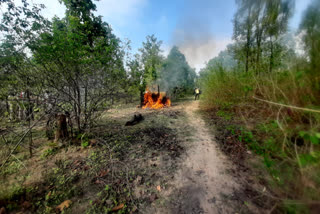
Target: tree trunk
<point>258,51</point>
<point>62,128</point>
<point>85,107</point>
<point>259,32</point>
<point>258,60</point>
<point>271,55</point>
<point>79,108</point>
<point>247,59</point>
<point>248,39</point>
<point>141,98</point>
<point>29,118</point>
<point>7,105</point>
<point>69,123</point>
<point>30,139</point>
<point>29,115</point>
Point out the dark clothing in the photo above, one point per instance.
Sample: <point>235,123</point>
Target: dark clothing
<point>197,96</point>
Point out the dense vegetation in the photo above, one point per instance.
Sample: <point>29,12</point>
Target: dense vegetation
<point>62,58</point>
<point>268,96</point>
<point>58,78</point>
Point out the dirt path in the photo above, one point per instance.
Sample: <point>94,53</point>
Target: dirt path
<point>202,184</point>
<point>204,179</point>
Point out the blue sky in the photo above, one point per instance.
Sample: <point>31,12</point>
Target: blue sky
<point>201,28</point>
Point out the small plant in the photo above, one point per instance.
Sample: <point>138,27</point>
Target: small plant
<point>53,144</point>
<point>225,115</point>
<point>84,144</point>
<point>309,159</point>
<point>48,152</point>
<point>84,138</point>
<point>93,156</point>
<point>12,168</point>
<point>313,137</point>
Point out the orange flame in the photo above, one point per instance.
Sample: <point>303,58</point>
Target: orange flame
<point>155,100</point>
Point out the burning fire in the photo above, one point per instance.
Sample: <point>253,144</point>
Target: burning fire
<point>155,100</point>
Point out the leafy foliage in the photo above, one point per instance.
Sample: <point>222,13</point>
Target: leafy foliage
<point>177,74</point>
<point>310,27</point>
<point>258,26</point>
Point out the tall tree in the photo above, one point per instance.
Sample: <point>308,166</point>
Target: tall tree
<point>258,25</point>
<point>277,15</point>
<point>176,73</point>
<point>310,27</point>
<point>243,28</point>
<point>151,60</point>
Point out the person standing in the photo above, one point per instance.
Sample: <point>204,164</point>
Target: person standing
<point>196,93</point>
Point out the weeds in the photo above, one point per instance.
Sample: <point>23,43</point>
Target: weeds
<point>11,168</point>
<point>224,114</point>
<point>286,139</point>
<point>48,152</point>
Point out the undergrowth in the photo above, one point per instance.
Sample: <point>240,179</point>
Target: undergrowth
<point>286,139</point>
<point>112,169</point>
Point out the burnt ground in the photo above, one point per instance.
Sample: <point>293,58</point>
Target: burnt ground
<point>168,163</point>
<point>114,168</point>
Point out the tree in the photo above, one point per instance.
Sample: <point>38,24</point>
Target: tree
<point>10,62</point>
<point>277,16</point>
<point>151,60</point>
<point>258,25</point>
<point>19,26</point>
<point>243,29</point>
<point>71,56</point>
<point>225,59</point>
<point>135,76</point>
<point>67,56</point>
<point>310,27</point>
<point>176,73</point>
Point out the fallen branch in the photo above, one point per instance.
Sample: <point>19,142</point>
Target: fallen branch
<point>288,106</point>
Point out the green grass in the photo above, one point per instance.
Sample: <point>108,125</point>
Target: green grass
<point>287,140</point>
